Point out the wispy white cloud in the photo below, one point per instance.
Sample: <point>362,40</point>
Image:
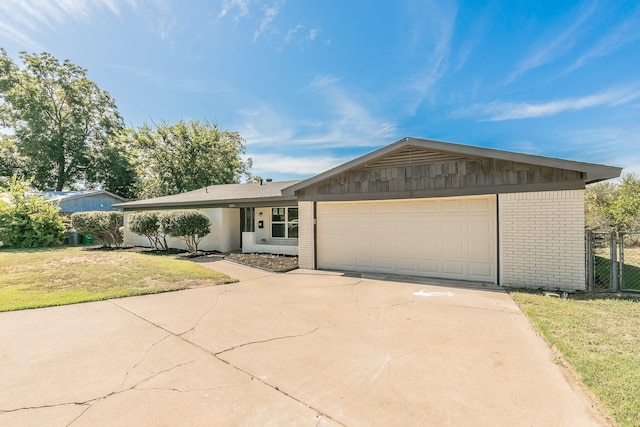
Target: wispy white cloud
<point>347,122</point>
<point>292,32</point>
<point>22,20</point>
<point>499,110</point>
<point>351,122</point>
<point>299,35</point>
<point>626,32</point>
<point>433,28</point>
<point>10,32</point>
<point>551,47</point>
<point>269,14</point>
<point>263,125</point>
<point>322,80</point>
<point>242,6</point>
<point>164,26</point>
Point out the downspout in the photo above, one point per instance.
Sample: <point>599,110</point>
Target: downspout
<point>315,237</point>
<point>498,267</point>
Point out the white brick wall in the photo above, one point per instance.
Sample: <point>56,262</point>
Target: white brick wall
<point>542,239</point>
<point>305,236</point>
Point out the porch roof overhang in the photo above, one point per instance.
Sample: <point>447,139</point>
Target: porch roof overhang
<point>591,172</point>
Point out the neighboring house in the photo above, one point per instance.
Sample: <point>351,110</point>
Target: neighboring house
<point>83,201</point>
<point>416,207</point>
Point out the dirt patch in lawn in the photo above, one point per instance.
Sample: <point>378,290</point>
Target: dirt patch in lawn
<point>277,263</point>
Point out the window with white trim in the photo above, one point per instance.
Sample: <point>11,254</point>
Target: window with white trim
<point>284,223</point>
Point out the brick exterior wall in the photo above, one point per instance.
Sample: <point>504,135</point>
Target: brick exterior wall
<point>305,235</point>
<point>542,239</point>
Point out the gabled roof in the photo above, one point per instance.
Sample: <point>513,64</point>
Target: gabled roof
<point>218,194</point>
<point>449,151</point>
<point>59,196</point>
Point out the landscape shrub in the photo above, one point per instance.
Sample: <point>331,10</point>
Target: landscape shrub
<point>190,225</point>
<point>104,226</point>
<point>28,220</point>
<point>147,223</point>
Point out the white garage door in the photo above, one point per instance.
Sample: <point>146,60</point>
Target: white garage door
<point>453,237</point>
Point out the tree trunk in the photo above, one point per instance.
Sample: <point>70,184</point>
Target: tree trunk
<point>60,178</point>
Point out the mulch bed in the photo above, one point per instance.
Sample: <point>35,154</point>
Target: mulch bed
<point>277,263</point>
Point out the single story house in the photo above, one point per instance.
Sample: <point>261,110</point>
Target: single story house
<point>84,201</point>
<point>416,207</point>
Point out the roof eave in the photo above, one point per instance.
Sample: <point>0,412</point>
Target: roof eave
<point>592,172</point>
<point>200,203</point>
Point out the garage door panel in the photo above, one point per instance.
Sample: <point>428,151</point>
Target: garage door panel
<point>365,262</point>
<point>383,225</point>
<point>480,205</point>
<point>454,268</point>
<point>454,226</point>
<point>405,265</point>
<point>428,206</point>
<point>407,226</point>
<point>429,248</point>
<point>480,226</point>
<point>479,248</point>
<point>480,270</point>
<point>449,237</point>
<point>431,267</point>
<point>381,208</point>
<point>384,263</point>
<point>452,248</point>
<point>426,226</point>
<point>406,208</point>
<point>408,246</point>
<point>363,244</point>
<point>452,205</point>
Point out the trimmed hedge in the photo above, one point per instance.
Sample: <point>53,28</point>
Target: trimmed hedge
<point>104,226</point>
<point>190,225</point>
<point>147,223</point>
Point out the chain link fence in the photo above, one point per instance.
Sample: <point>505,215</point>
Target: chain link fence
<point>629,244</point>
<point>613,261</point>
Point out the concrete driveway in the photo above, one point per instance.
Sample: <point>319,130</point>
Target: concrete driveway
<point>304,348</point>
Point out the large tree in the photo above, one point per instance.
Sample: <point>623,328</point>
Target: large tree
<point>11,164</point>
<point>174,158</point>
<point>63,123</point>
<point>610,206</point>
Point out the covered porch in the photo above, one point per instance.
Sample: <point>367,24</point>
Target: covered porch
<point>269,229</point>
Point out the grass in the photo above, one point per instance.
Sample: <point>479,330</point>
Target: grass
<point>631,269</point>
<point>599,337</point>
<point>48,277</point>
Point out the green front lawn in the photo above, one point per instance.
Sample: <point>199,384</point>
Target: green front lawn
<point>599,337</point>
<point>46,277</point>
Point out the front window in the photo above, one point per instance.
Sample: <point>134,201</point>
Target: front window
<point>284,223</point>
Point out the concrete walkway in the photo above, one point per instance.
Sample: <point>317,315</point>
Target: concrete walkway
<point>305,348</point>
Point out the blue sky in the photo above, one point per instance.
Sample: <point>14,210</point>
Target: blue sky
<point>312,84</point>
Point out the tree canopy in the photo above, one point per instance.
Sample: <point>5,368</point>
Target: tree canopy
<point>610,206</point>
<point>64,125</point>
<point>65,133</point>
<point>185,156</point>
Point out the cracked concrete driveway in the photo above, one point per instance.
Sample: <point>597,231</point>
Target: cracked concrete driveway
<point>302,348</point>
